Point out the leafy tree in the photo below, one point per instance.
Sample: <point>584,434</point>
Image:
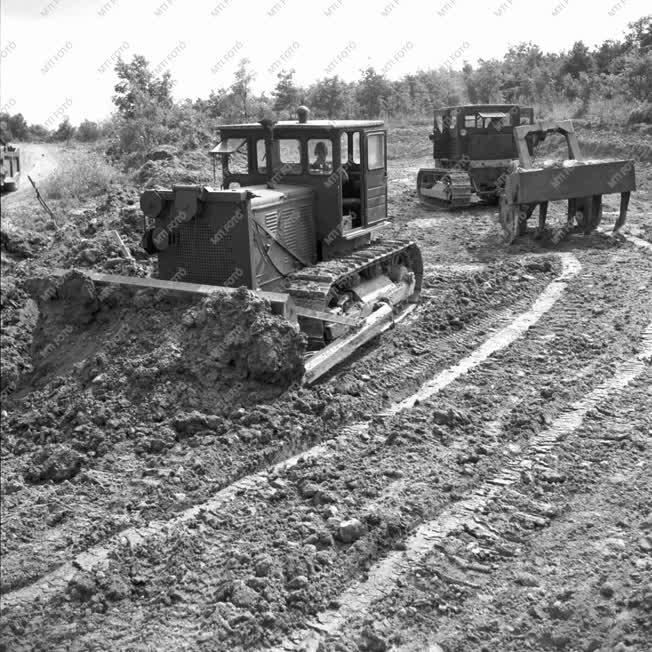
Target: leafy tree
<point>18,126</point>
<point>241,87</point>
<point>484,84</point>
<point>579,60</point>
<point>138,84</point>
<point>371,93</point>
<point>5,131</point>
<point>38,132</point>
<point>523,56</point>
<point>608,57</point>
<point>286,93</point>
<point>328,97</point>
<point>640,34</point>
<point>638,76</point>
<point>88,131</point>
<point>147,127</point>
<point>64,132</point>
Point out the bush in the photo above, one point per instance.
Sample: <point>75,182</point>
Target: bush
<point>79,176</point>
<point>640,114</point>
<point>88,131</point>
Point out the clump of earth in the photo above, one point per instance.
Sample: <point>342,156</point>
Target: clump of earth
<point>166,334</point>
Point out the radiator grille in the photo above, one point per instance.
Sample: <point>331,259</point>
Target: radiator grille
<point>196,256</point>
<point>271,221</point>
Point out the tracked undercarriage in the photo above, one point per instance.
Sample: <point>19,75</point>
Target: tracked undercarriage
<point>352,286</point>
<point>439,187</point>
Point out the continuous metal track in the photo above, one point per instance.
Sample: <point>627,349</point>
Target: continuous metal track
<point>315,287</point>
<point>315,284</point>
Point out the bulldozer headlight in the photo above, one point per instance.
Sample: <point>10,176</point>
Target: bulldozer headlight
<point>462,132</point>
<point>151,203</point>
<point>160,238</point>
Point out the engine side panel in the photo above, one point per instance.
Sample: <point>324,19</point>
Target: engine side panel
<point>283,240</point>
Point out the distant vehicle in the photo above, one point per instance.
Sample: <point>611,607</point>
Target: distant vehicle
<point>473,147</point>
<point>9,167</point>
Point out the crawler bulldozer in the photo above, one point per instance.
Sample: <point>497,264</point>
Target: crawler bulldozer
<point>9,167</point>
<point>473,147</point>
<point>295,219</point>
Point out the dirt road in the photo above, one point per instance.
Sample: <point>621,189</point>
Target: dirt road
<point>38,160</point>
<point>477,479</point>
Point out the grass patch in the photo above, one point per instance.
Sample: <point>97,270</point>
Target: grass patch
<point>80,175</point>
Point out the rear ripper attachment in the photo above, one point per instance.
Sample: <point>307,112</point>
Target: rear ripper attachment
<point>295,220</point>
<point>579,182</point>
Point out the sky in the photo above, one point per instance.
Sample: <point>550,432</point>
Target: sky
<point>58,55</point>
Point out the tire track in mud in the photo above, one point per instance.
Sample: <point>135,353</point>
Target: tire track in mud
<point>56,580</point>
<point>505,336</point>
<point>636,241</point>
<point>407,369</point>
<point>403,367</point>
<point>393,378</point>
<point>356,601</point>
<point>535,520</point>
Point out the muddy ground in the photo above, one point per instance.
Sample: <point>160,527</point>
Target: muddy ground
<point>157,498</point>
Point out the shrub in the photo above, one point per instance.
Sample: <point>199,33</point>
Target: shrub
<point>79,176</point>
<point>640,114</point>
<point>88,131</point>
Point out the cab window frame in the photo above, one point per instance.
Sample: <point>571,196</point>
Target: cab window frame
<point>228,159</point>
<point>298,165</point>
<point>311,143</point>
<point>382,152</point>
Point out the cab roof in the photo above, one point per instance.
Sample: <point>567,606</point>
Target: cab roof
<point>482,107</point>
<point>310,125</point>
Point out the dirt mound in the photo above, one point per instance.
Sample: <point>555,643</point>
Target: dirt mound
<point>54,462</point>
<point>165,173</point>
<point>238,330</point>
<point>19,317</point>
<point>227,330</point>
<point>102,253</point>
<point>24,244</point>
<point>193,167</point>
<point>161,153</point>
<point>109,363</point>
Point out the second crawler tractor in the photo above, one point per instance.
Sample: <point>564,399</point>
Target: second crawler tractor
<point>473,147</point>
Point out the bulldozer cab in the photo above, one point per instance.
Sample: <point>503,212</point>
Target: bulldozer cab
<point>477,132</point>
<point>343,162</point>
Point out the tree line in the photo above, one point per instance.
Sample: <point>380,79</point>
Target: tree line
<point>147,115</point>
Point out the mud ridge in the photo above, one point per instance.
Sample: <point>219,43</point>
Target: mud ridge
<point>356,601</point>
<point>57,580</point>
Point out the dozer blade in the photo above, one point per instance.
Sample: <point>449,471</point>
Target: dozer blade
<point>343,347</point>
<point>280,302</point>
<point>439,188</point>
<point>380,295</point>
<point>578,181</point>
<point>377,322</point>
